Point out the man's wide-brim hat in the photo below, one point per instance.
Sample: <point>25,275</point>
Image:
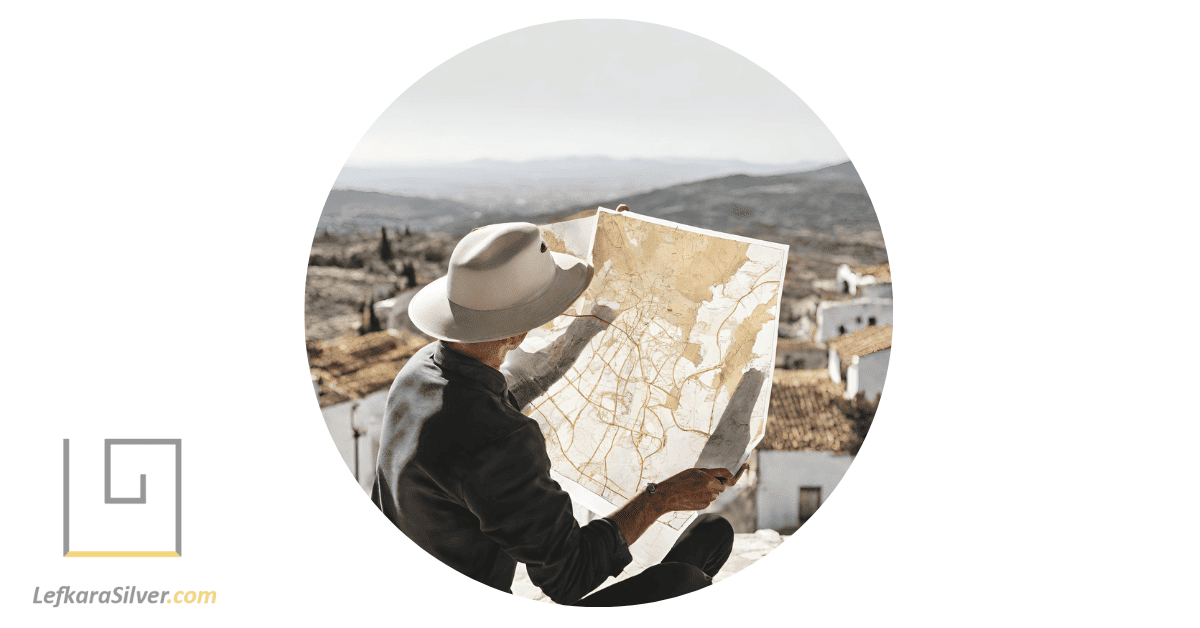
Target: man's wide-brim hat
<point>502,281</point>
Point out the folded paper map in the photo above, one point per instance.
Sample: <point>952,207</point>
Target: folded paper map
<point>663,364</point>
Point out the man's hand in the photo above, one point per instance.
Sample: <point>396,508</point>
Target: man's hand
<point>693,489</point>
<point>725,477</point>
<point>696,489</point>
<point>531,374</point>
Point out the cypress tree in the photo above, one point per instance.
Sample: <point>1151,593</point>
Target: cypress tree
<point>385,249</point>
<point>410,273</point>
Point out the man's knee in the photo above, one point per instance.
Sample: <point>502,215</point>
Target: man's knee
<point>715,522</point>
<point>658,582</point>
<point>715,528</point>
<point>675,579</point>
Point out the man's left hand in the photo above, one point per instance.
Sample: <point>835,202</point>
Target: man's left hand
<point>725,477</point>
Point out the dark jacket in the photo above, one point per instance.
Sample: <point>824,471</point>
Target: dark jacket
<point>466,476</point>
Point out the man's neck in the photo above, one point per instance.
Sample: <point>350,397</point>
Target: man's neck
<point>490,353</point>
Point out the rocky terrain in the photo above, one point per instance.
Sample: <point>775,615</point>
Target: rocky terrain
<point>824,215</point>
<point>347,272</point>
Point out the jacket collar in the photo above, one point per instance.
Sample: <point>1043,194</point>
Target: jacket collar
<point>460,363</point>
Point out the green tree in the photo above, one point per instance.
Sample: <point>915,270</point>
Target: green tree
<point>385,249</point>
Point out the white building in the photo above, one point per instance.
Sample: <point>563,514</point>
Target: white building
<point>860,359</point>
<point>809,444</point>
<point>793,484</point>
<point>393,312</point>
<point>352,376</point>
<point>838,318</point>
<point>355,426</point>
<point>872,282</point>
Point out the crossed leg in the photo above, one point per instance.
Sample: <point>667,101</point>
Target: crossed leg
<point>690,565</point>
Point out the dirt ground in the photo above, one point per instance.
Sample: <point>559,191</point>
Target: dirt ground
<point>347,272</point>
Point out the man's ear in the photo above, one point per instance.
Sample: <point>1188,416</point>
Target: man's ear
<point>515,341</point>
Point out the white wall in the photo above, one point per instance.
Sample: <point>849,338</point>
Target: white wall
<point>846,280</point>
<point>393,312</point>
<point>867,374</point>
<point>368,416</point>
<point>860,285</point>
<point>835,366</point>
<point>854,315</point>
<point>782,473</point>
<point>876,291</point>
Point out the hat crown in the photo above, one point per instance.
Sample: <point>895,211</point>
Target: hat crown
<point>499,266</point>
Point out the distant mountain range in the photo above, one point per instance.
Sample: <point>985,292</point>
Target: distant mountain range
<point>546,184</point>
<point>826,211</point>
<point>354,211</point>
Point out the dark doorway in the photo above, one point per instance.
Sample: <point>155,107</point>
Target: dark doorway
<point>810,501</point>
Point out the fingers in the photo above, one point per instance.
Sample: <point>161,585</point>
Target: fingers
<point>695,489</point>
<point>715,481</point>
<point>720,474</point>
<point>706,480</point>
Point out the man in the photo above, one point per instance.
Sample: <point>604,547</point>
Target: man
<point>466,475</point>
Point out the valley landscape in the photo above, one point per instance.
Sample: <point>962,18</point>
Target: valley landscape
<point>823,214</point>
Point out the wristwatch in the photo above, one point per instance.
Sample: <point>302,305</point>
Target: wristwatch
<point>651,487</point>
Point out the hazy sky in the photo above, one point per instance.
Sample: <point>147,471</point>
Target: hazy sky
<point>596,87</point>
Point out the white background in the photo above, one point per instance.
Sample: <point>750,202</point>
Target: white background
<point>1031,165</point>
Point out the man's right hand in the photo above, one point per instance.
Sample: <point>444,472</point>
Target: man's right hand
<point>692,489</point>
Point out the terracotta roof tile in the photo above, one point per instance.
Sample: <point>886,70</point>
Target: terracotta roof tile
<point>352,368</point>
<point>864,341</point>
<point>882,273</point>
<point>807,412</point>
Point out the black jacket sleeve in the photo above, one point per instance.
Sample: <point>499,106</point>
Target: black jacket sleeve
<point>526,512</point>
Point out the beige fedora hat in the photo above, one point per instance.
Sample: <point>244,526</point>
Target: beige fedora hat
<point>502,281</point>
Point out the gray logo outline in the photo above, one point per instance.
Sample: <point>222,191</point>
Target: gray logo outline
<point>141,499</point>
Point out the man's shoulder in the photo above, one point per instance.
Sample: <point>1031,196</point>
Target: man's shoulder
<point>450,409</point>
<point>481,416</point>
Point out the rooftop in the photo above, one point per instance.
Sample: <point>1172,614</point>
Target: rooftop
<point>808,412</point>
<point>863,342</point>
<point>353,367</point>
<point>882,273</point>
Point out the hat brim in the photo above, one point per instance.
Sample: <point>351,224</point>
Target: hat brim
<point>433,313</point>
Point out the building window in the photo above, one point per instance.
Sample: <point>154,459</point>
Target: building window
<point>845,287</point>
<point>841,330</point>
<point>871,321</point>
<point>810,500</point>
<point>858,320</point>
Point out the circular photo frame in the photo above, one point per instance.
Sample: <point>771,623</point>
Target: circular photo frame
<point>598,313</point>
